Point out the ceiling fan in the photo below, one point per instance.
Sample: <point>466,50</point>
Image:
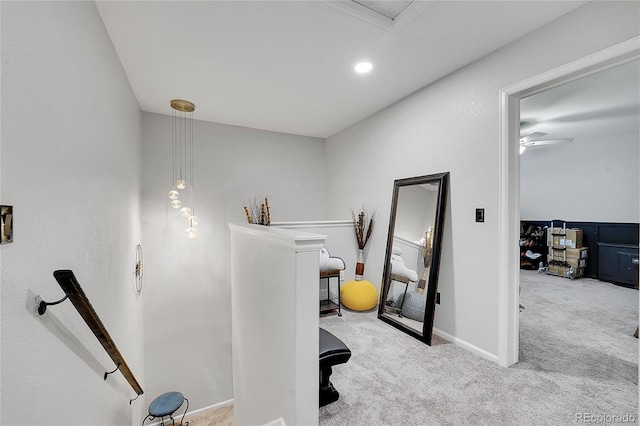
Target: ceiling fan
<point>533,139</point>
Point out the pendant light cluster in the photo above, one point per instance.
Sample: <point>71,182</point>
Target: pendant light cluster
<point>181,194</point>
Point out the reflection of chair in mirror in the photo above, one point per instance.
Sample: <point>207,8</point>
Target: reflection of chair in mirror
<point>418,204</point>
<point>330,267</point>
<point>401,273</point>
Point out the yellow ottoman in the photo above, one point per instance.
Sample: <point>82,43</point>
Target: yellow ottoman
<point>359,295</point>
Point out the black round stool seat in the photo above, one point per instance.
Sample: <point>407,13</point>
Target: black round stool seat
<point>166,404</point>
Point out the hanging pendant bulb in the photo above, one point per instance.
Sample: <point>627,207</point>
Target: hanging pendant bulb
<point>183,164</point>
<point>192,232</point>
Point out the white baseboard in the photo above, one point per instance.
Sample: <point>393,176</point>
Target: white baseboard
<point>466,345</point>
<point>211,407</point>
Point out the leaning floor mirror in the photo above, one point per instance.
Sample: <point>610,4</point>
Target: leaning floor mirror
<point>412,262</point>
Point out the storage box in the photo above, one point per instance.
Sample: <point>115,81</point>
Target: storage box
<point>572,253</point>
<point>563,271</point>
<point>576,263</point>
<point>569,237</point>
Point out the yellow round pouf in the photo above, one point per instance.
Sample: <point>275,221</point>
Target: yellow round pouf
<point>359,295</point>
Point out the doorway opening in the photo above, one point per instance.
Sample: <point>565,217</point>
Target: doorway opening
<point>509,204</point>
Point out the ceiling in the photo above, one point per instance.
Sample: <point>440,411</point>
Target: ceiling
<point>287,66</point>
<point>600,105</point>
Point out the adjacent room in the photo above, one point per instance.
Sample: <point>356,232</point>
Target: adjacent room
<point>579,291</point>
<point>198,197</point>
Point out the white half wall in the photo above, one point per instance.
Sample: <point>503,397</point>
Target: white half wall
<point>453,125</point>
<point>274,279</point>
<point>70,167</point>
<point>188,290</point>
<point>588,180</point>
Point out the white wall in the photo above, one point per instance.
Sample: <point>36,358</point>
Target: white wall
<point>588,180</point>
<point>188,293</point>
<point>415,213</point>
<point>70,167</point>
<point>453,125</point>
<point>340,242</point>
<point>275,345</point>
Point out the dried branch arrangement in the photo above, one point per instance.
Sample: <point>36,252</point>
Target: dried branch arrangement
<point>426,249</point>
<point>258,212</point>
<point>363,225</point>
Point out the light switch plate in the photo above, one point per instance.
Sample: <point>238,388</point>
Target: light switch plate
<point>479,215</point>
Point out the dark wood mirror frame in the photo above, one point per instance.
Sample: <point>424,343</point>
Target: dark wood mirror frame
<point>432,285</point>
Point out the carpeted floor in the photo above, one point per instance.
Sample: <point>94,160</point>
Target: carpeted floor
<point>222,416</point>
<point>577,356</point>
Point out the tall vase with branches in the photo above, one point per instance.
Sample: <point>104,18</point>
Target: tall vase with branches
<point>363,222</point>
<point>426,250</point>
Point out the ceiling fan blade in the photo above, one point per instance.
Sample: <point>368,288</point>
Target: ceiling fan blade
<point>547,142</point>
<point>530,136</point>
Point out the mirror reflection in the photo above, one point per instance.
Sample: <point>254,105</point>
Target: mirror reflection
<point>409,285</point>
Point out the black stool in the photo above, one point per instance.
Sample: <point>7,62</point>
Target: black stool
<point>165,405</point>
<point>332,352</point>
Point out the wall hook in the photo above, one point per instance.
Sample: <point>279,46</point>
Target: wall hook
<point>42,306</point>
<point>111,372</point>
<point>131,400</point>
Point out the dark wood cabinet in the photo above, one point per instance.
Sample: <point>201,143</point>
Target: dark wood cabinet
<point>618,263</point>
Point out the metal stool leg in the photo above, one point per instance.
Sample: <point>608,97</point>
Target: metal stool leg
<point>339,301</point>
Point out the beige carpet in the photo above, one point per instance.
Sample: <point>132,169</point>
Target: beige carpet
<point>578,358</point>
<point>222,416</point>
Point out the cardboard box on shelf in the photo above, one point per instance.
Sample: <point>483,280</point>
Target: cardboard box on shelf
<point>572,253</point>
<point>563,271</point>
<point>569,237</point>
<point>576,263</point>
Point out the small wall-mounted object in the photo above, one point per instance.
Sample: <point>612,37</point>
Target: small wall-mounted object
<point>6,224</point>
<point>138,269</point>
<point>479,215</point>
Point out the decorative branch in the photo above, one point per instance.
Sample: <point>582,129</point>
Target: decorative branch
<point>363,225</point>
<point>258,212</point>
<point>426,249</point>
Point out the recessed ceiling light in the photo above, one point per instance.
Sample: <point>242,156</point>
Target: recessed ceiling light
<point>363,67</point>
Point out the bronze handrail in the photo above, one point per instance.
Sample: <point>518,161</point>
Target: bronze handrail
<point>74,292</point>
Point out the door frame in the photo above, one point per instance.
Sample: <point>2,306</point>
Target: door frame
<point>509,181</point>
